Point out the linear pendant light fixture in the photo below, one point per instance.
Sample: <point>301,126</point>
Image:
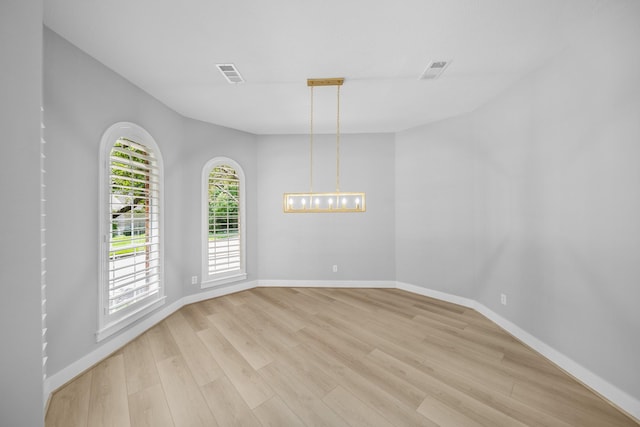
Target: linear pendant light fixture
<point>334,202</point>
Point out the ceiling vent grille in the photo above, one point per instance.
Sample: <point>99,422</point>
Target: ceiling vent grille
<point>434,70</point>
<point>231,73</point>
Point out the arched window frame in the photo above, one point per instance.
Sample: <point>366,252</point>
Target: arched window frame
<point>108,324</point>
<point>217,279</point>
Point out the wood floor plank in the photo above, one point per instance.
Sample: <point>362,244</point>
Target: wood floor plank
<point>593,412</point>
<point>69,406</point>
<point>353,410</point>
<point>271,336</point>
<point>243,342</point>
<point>148,408</point>
<point>319,382</point>
<point>253,389</point>
<point>163,346</point>
<point>380,303</point>
<point>303,301</point>
<point>227,405</point>
<point>196,316</point>
<point>309,408</point>
<point>469,405</point>
<point>276,314</point>
<point>237,298</point>
<point>456,341</point>
<point>442,414</point>
<point>278,310</point>
<point>336,345</point>
<point>527,370</point>
<point>387,405</point>
<point>346,298</point>
<point>424,375</point>
<point>394,328</point>
<point>274,413</point>
<point>140,367</point>
<point>478,370</point>
<point>436,319</point>
<point>395,385</point>
<point>452,311</point>
<point>371,330</point>
<point>108,405</point>
<point>495,339</point>
<point>218,305</point>
<point>313,293</point>
<point>202,365</point>
<point>376,338</point>
<point>187,405</point>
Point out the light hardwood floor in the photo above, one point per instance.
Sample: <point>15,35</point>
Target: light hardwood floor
<point>327,357</point>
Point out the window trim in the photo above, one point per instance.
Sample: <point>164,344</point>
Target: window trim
<point>207,280</point>
<point>110,324</point>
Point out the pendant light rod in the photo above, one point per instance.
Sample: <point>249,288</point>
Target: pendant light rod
<point>338,143</point>
<point>337,81</point>
<point>311,144</point>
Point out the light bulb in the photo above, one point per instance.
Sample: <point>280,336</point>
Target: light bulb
<point>330,202</point>
<point>304,202</point>
<point>344,201</point>
<point>357,201</point>
<point>317,202</point>
<point>290,201</point>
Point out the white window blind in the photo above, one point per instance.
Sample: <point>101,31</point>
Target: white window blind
<point>224,225</point>
<point>43,249</point>
<point>133,268</point>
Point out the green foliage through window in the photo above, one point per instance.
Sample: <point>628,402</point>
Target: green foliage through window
<point>223,202</point>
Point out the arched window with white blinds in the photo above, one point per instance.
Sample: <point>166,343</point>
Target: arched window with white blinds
<point>131,282</point>
<point>223,225</point>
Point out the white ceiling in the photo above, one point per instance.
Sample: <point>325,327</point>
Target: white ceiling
<point>169,48</point>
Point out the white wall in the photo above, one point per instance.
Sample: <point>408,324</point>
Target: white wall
<point>435,240</point>
<point>536,195</point>
<point>306,246</point>
<point>82,99</point>
<point>20,314</point>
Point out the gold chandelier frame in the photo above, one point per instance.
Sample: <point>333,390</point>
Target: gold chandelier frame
<point>326,202</point>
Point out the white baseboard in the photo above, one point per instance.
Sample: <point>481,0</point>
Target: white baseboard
<point>326,283</point>
<point>443,296</point>
<point>218,292</point>
<point>617,397</point>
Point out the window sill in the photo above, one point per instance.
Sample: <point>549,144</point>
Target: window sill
<point>211,283</point>
<point>118,325</point>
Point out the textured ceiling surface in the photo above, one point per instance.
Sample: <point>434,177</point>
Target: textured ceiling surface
<point>170,49</point>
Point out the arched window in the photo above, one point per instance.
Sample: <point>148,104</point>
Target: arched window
<point>131,282</point>
<point>223,224</point>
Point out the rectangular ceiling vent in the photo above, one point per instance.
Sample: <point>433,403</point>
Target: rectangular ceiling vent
<point>231,73</point>
<point>434,69</point>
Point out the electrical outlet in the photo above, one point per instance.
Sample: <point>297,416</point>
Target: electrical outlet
<point>503,299</point>
<point>194,280</point>
<point>335,268</point>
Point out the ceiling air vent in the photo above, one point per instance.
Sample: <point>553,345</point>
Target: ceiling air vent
<point>434,69</point>
<point>231,73</point>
